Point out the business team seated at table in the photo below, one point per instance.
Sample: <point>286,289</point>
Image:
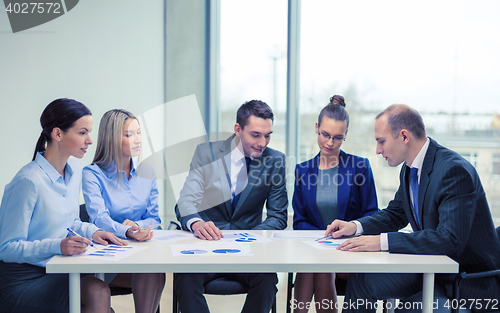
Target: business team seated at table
<point>229,183</point>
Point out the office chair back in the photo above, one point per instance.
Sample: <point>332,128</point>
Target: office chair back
<point>463,275</point>
<point>84,216</point>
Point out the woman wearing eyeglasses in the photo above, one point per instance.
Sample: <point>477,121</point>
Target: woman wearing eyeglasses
<point>332,185</point>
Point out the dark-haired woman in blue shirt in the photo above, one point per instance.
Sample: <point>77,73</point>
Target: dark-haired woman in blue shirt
<point>38,206</point>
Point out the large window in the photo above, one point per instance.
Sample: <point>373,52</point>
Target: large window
<point>253,60</point>
<point>438,57</point>
<point>495,166</point>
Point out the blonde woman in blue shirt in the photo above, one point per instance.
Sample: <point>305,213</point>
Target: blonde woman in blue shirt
<point>38,206</point>
<point>122,198</point>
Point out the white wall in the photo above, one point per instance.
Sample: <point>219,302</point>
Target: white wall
<point>106,54</point>
<point>185,69</point>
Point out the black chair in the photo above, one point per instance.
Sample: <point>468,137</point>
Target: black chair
<point>340,285</point>
<point>115,291</point>
<point>464,276</point>
<point>84,216</point>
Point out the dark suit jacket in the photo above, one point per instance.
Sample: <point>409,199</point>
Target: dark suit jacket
<point>206,194</point>
<point>356,191</point>
<point>455,216</point>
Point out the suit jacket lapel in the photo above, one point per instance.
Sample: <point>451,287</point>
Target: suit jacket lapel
<point>223,157</point>
<point>344,187</point>
<point>427,167</point>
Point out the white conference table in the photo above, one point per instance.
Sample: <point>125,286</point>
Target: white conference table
<point>278,255</point>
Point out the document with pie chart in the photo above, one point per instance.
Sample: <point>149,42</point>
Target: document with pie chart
<point>212,249</point>
<point>242,237</point>
<point>326,243</point>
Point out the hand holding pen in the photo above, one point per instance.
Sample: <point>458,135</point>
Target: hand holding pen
<point>339,228</point>
<point>74,244</point>
<point>78,235</point>
<point>152,227</point>
<point>135,232</point>
<point>139,234</point>
<point>77,244</point>
<point>324,238</point>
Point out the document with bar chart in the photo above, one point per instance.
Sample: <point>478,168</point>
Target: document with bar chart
<point>109,252</point>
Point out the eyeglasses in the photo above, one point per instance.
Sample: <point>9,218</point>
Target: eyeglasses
<point>335,138</point>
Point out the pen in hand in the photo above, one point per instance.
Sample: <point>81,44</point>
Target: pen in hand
<point>323,238</point>
<point>152,227</point>
<point>74,233</point>
<point>155,226</point>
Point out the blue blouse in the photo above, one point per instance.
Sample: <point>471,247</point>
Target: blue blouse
<point>110,200</point>
<point>37,207</point>
<point>327,195</point>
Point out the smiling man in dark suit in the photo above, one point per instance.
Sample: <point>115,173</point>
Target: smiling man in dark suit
<point>228,184</point>
<point>441,196</point>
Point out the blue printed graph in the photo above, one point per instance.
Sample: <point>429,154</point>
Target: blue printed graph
<point>328,243</point>
<point>249,239</point>
<point>226,251</point>
<point>194,251</point>
<point>111,252</point>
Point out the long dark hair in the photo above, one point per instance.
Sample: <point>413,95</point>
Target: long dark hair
<point>61,113</point>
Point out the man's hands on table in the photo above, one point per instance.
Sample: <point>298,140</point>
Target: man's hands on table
<point>206,230</point>
<point>338,229</point>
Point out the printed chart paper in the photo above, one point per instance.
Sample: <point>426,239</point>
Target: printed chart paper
<point>242,237</point>
<point>171,235</point>
<point>211,249</point>
<point>109,252</point>
<point>326,243</point>
<point>302,234</point>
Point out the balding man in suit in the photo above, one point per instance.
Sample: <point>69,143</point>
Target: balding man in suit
<point>441,196</point>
